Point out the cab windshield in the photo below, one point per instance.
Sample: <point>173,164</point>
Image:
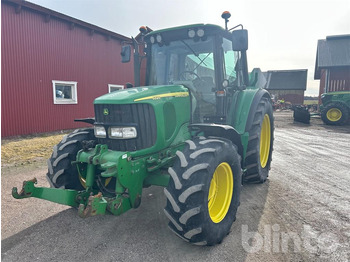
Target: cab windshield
<point>191,63</point>
<point>182,60</point>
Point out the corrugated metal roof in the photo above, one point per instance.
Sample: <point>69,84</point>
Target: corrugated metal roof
<point>334,51</point>
<point>286,79</point>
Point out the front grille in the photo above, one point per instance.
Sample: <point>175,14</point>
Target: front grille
<point>140,115</point>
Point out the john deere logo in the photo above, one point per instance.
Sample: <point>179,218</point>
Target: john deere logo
<point>105,111</point>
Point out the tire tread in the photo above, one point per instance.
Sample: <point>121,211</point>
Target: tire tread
<point>188,186</point>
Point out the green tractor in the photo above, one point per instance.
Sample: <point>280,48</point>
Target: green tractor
<point>199,128</point>
<point>335,108</point>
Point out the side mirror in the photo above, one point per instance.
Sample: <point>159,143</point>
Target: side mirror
<point>240,40</point>
<point>126,53</point>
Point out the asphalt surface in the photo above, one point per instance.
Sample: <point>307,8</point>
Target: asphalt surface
<point>302,212</point>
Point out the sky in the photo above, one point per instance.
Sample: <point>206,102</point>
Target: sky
<point>283,34</point>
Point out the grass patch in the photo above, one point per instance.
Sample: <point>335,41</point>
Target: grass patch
<point>28,150</point>
<point>310,102</point>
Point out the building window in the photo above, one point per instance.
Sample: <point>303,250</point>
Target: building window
<point>64,92</point>
<point>112,88</point>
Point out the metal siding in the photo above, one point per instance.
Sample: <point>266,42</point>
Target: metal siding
<point>334,52</point>
<point>287,80</point>
<point>34,53</point>
<point>339,79</point>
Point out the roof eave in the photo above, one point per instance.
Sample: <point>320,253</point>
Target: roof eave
<point>43,10</point>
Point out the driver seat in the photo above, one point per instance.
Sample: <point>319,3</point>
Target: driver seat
<point>206,85</point>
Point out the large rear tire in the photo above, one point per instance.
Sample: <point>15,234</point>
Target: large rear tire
<point>259,152</point>
<point>61,173</point>
<point>203,192</point>
<point>335,114</point>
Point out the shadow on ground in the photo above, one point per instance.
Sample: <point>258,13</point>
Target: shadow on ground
<point>140,234</point>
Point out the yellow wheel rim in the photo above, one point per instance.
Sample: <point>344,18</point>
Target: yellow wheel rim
<point>334,114</point>
<point>220,192</point>
<point>265,141</point>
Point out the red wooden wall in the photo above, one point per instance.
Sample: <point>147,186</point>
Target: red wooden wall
<point>339,80</point>
<point>36,49</point>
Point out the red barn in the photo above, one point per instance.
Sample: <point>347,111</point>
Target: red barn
<point>52,68</point>
<point>333,64</point>
<point>288,85</point>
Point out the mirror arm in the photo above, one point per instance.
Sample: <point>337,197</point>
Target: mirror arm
<point>136,63</point>
<point>240,25</point>
<point>245,68</point>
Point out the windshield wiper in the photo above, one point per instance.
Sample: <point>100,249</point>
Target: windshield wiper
<point>202,61</point>
<point>189,47</point>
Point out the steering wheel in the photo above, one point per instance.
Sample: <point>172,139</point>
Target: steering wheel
<point>182,75</point>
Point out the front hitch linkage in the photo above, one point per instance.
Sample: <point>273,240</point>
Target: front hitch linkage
<point>89,204</point>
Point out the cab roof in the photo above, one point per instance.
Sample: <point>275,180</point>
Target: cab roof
<point>204,26</point>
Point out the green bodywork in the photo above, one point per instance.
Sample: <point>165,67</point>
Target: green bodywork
<point>342,97</point>
<point>172,104</point>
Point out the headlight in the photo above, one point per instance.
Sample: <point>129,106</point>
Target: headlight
<point>100,132</point>
<point>159,38</point>
<point>122,132</point>
<point>115,132</point>
<point>152,39</point>
<point>129,132</point>
<point>191,33</point>
<point>200,32</point>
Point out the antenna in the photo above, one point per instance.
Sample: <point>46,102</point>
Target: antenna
<point>226,15</point>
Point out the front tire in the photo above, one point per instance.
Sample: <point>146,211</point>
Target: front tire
<point>335,114</point>
<point>61,173</point>
<point>204,190</point>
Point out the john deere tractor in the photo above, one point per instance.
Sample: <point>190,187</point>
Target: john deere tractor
<point>335,108</point>
<point>199,128</point>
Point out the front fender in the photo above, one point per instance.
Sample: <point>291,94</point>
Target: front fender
<point>224,131</point>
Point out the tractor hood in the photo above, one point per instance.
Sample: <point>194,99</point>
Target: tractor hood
<point>143,94</point>
<point>160,114</point>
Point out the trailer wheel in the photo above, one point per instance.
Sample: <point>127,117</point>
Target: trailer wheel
<point>260,144</point>
<point>61,173</point>
<point>204,189</point>
<point>335,114</point>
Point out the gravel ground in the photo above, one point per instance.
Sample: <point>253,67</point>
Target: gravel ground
<point>302,213</point>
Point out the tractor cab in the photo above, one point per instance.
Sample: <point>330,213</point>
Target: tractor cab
<point>207,59</point>
<point>194,56</point>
